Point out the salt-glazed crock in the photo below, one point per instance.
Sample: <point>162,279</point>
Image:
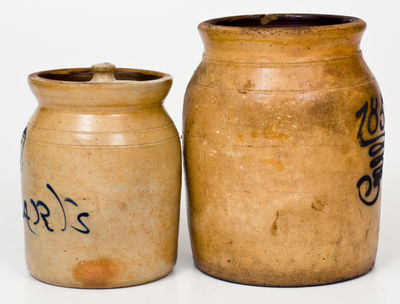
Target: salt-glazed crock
<point>283,142</point>
<point>101,178</point>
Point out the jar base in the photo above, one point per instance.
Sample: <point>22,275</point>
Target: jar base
<point>122,284</point>
<point>283,280</point>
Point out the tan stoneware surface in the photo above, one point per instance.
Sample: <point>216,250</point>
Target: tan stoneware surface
<point>283,145</point>
<point>101,178</point>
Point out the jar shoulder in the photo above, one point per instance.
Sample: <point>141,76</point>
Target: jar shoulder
<point>286,76</point>
<point>101,129</point>
<point>270,118</point>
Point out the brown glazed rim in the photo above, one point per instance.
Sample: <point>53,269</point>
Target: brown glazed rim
<point>291,24</point>
<point>83,77</point>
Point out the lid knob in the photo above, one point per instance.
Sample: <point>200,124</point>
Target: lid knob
<point>103,72</point>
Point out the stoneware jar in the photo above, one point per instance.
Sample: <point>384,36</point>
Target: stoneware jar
<point>283,143</point>
<point>101,178</point>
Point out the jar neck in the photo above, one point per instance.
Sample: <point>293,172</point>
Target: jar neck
<point>74,90</point>
<point>239,41</point>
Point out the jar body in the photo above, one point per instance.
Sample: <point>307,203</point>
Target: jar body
<point>283,163</point>
<point>101,195</point>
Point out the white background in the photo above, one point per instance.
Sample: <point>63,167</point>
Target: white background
<point>162,35</point>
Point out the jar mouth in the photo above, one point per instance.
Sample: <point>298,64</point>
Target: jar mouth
<point>85,75</point>
<point>283,20</point>
<point>267,23</point>
<point>100,88</point>
<point>281,37</point>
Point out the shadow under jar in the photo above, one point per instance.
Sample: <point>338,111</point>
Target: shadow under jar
<point>101,178</point>
<point>283,146</point>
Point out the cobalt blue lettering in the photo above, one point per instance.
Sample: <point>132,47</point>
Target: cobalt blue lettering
<point>375,140</point>
<point>43,213</point>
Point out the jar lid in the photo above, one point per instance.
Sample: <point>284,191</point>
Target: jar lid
<point>102,85</point>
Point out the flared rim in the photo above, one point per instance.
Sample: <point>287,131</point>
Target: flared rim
<point>83,77</point>
<point>99,87</point>
<point>282,23</point>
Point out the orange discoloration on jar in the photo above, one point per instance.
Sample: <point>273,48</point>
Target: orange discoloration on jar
<point>98,273</point>
<point>275,164</point>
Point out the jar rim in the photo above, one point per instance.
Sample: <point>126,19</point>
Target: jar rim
<point>293,23</point>
<point>83,76</point>
<point>100,88</point>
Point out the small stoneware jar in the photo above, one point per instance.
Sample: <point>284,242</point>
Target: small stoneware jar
<point>283,142</point>
<point>101,178</point>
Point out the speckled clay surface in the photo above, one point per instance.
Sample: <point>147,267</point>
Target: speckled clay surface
<point>283,145</point>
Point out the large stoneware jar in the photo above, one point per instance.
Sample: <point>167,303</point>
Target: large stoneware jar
<point>101,177</point>
<point>283,143</point>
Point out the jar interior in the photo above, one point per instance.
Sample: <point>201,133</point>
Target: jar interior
<point>83,75</point>
<point>273,21</point>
